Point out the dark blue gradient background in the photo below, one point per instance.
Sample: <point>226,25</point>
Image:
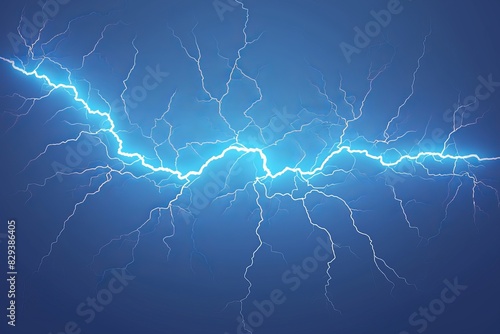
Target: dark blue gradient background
<point>187,293</point>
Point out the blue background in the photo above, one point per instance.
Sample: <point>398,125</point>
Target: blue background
<point>186,289</point>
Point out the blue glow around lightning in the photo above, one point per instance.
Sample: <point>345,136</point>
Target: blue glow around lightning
<point>260,185</point>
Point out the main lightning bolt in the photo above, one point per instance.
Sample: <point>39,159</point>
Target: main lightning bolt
<point>313,177</point>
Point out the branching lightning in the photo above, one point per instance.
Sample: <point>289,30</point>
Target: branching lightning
<point>315,177</point>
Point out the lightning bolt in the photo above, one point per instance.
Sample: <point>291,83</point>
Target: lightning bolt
<point>315,178</point>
